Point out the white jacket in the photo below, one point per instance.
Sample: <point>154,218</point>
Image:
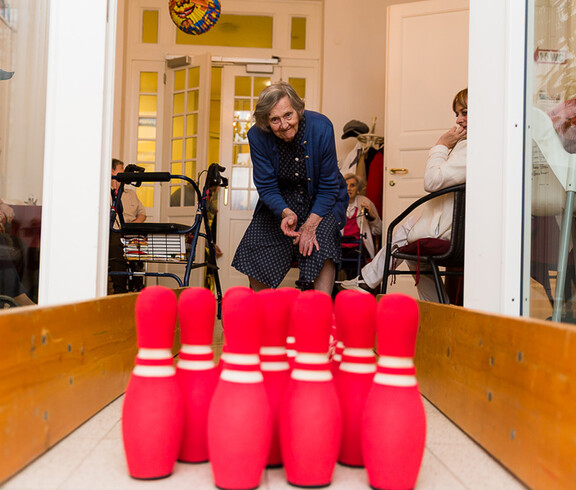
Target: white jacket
<point>444,168</point>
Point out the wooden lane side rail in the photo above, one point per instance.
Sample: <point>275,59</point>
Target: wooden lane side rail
<point>509,383</point>
<point>58,367</point>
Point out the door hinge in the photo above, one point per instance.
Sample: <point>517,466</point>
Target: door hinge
<point>164,78</point>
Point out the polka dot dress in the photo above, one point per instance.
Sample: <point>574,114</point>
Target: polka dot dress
<point>265,253</point>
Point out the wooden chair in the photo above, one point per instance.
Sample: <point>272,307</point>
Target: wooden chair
<point>436,253</point>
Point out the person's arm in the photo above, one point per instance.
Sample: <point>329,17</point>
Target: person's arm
<point>140,211</point>
<point>445,167</point>
<point>327,187</point>
<point>374,221</point>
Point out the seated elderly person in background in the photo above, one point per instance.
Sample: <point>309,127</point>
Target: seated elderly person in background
<point>302,195</point>
<point>361,218</point>
<point>446,166</point>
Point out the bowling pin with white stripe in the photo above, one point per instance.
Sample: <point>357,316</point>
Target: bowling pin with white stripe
<point>356,322</point>
<point>196,372</point>
<point>239,418</point>
<point>310,416</point>
<point>394,422</point>
<point>153,411</point>
<point>277,305</point>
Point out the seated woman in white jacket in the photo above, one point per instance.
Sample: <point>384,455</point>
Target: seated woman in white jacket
<point>446,166</point>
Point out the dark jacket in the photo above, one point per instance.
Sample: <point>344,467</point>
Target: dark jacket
<point>326,185</point>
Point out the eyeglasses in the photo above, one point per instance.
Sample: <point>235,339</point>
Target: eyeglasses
<point>277,121</point>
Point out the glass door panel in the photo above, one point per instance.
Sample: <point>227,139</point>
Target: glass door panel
<point>551,161</point>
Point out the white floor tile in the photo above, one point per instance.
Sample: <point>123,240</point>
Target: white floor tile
<point>92,458</point>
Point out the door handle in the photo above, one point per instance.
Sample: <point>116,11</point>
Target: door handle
<point>400,171</point>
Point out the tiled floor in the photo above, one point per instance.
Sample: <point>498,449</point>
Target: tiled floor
<point>92,457</point>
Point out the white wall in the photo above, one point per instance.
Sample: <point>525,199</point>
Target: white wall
<point>354,64</point>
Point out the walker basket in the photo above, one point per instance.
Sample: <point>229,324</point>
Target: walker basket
<point>155,247</point>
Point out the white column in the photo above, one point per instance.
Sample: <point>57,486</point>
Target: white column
<point>74,246</point>
<point>495,156</point>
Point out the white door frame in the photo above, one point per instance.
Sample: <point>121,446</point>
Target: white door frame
<point>78,142</point>
<point>494,189</point>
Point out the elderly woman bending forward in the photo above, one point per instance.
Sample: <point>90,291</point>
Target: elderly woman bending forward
<point>302,195</point>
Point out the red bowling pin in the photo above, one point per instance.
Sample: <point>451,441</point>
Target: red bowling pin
<point>310,416</point>
<point>153,411</point>
<point>277,304</point>
<point>394,422</point>
<point>356,323</point>
<point>196,372</point>
<point>239,418</point>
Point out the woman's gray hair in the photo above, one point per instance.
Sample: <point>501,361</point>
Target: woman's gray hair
<point>360,182</point>
<point>270,96</point>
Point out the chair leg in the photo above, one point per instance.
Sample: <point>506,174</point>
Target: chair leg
<point>438,282</point>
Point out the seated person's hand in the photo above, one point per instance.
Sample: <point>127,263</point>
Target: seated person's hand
<point>218,251</point>
<point>289,223</point>
<point>307,241</point>
<point>452,136</point>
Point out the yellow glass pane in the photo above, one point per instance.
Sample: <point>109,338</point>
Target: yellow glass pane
<point>192,101</point>
<point>175,195</point>
<point>147,128</point>
<point>146,151</point>
<point>190,169</point>
<point>149,81</point>
<point>177,126</point>
<point>247,31</point>
<point>299,85</point>
<point>191,124</point>
<point>176,168</point>
<point>194,77</point>
<point>148,104</point>
<point>146,195</point>
<point>179,80</point>
<point>189,195</point>
<point>150,26</point>
<point>242,86</point>
<point>298,33</point>
<point>191,148</point>
<point>243,108</point>
<point>240,129</point>
<point>241,155</point>
<point>148,167</point>
<point>146,133</point>
<point>177,150</point>
<point>260,83</point>
<point>178,103</point>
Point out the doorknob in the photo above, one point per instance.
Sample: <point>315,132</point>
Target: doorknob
<point>401,171</point>
<point>391,183</point>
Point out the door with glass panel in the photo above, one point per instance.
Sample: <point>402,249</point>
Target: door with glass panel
<point>186,141</point>
<point>240,91</point>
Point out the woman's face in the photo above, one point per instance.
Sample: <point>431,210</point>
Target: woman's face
<point>352,188</point>
<point>461,116</point>
<point>283,120</point>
